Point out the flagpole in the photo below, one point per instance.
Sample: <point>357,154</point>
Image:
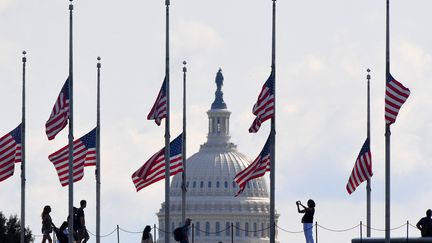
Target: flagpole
<point>167,130</point>
<point>70,226</point>
<point>184,146</point>
<point>368,183</point>
<point>273,133</point>
<point>98,182</point>
<point>387,134</point>
<point>23,175</point>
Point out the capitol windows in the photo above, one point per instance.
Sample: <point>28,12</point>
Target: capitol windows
<point>217,229</point>
<point>197,226</point>
<point>247,229</point>
<point>255,230</point>
<point>187,184</point>
<point>262,230</point>
<point>201,184</point>
<point>234,184</point>
<point>217,184</point>
<point>268,229</point>
<point>207,229</point>
<point>237,229</point>
<point>227,229</point>
<point>209,184</point>
<point>226,184</point>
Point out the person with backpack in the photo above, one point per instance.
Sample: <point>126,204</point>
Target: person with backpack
<point>181,234</point>
<point>81,230</point>
<point>147,236</point>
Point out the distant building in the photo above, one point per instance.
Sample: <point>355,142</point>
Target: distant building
<point>210,201</point>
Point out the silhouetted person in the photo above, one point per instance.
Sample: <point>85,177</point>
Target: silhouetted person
<point>62,233</point>
<point>185,230</point>
<point>47,224</point>
<point>147,236</point>
<point>307,219</point>
<point>425,224</point>
<point>83,235</point>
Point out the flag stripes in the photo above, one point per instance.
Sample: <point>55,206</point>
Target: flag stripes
<point>153,169</point>
<point>59,114</point>
<point>256,169</point>
<point>84,154</point>
<point>159,109</point>
<point>10,152</point>
<point>396,95</point>
<point>362,168</point>
<point>264,107</point>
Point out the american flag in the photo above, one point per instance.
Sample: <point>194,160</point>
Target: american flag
<point>362,168</point>
<point>10,152</point>
<point>257,169</point>
<point>159,109</point>
<point>396,95</point>
<point>154,169</point>
<point>84,154</point>
<point>59,114</point>
<point>264,107</point>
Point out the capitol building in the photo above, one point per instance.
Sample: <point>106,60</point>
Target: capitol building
<point>210,197</point>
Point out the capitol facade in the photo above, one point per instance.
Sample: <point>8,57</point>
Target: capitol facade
<point>217,215</point>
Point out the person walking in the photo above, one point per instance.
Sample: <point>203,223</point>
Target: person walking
<point>147,236</point>
<point>82,233</point>
<point>307,219</point>
<point>425,224</point>
<point>47,224</point>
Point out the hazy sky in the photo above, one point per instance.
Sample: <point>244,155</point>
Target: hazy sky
<point>323,51</point>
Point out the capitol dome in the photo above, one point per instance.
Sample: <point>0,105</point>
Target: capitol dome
<point>211,190</point>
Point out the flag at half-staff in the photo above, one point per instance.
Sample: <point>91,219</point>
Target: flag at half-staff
<point>59,114</point>
<point>396,95</point>
<point>362,168</point>
<point>159,109</point>
<point>154,169</point>
<point>84,154</point>
<point>264,107</point>
<point>256,169</point>
<point>10,152</point>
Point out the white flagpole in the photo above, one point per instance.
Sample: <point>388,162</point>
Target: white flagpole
<point>387,134</point>
<point>98,179</point>
<point>23,175</point>
<point>273,133</point>
<point>368,182</point>
<point>167,131</point>
<point>184,190</point>
<point>70,226</point>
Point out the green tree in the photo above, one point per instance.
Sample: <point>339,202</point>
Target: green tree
<point>10,230</point>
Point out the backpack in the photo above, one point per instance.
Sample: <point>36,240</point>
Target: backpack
<point>178,234</point>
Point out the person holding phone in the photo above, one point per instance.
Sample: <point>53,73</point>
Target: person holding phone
<point>307,219</point>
